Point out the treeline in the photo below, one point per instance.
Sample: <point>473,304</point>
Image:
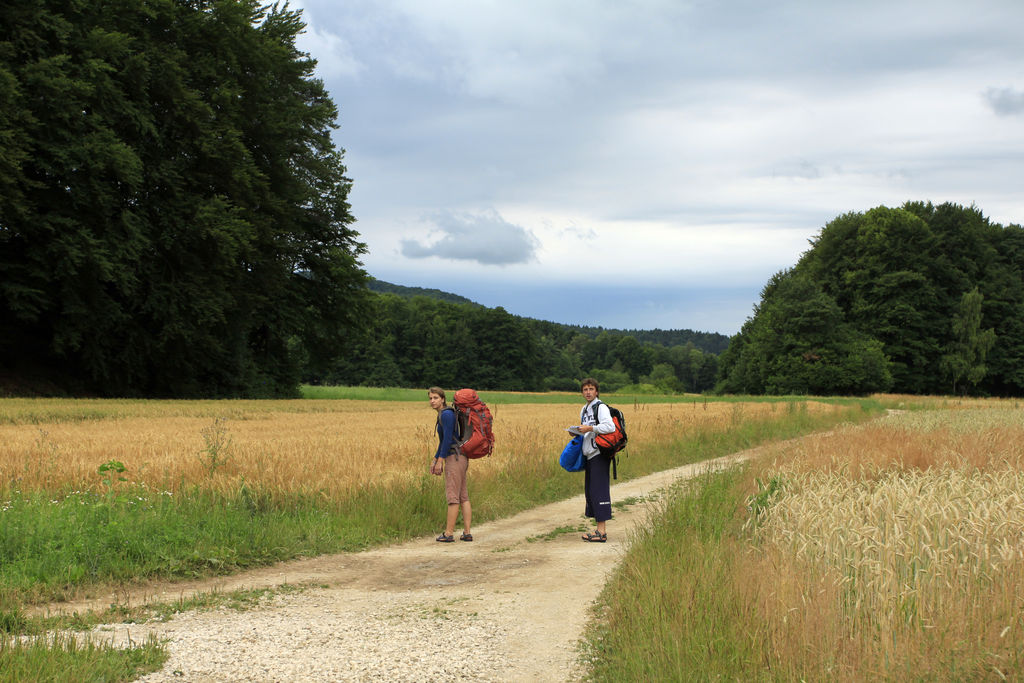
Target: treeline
<point>920,299</point>
<point>174,215</point>
<point>382,287</point>
<point>418,341</point>
<point>710,342</point>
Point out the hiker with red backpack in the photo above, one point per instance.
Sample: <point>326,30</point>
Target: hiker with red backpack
<point>596,482</point>
<point>454,466</point>
<point>464,432</point>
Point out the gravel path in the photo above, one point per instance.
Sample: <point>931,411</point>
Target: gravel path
<point>510,606</point>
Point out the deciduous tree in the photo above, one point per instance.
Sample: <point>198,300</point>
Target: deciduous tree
<point>173,214</point>
<point>965,360</point>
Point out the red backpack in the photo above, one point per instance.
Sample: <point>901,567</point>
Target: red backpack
<point>476,438</point>
<point>613,442</point>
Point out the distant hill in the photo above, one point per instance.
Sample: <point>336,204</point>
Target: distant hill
<point>710,342</point>
<point>376,285</point>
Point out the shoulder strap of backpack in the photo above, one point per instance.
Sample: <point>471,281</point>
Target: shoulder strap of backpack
<point>455,413</point>
<point>615,469</point>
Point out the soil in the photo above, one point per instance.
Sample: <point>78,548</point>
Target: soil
<point>509,606</point>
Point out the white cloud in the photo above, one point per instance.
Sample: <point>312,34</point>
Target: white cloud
<point>484,237</point>
<point>334,54</point>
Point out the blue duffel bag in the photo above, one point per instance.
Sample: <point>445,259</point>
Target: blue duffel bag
<point>572,459</point>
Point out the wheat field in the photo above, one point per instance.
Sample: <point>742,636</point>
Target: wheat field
<point>324,447</point>
<point>897,546</point>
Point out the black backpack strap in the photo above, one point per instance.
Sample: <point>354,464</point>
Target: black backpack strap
<point>615,469</point>
<point>458,423</point>
<point>457,432</point>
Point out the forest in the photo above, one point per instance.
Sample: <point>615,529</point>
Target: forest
<point>920,299</point>
<point>419,338</point>
<point>174,217</point>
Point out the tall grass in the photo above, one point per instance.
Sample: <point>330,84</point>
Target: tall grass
<point>891,551</point>
<point>68,659</point>
<point>670,613</point>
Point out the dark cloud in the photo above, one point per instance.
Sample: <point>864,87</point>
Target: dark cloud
<point>484,237</point>
<point>1005,101</point>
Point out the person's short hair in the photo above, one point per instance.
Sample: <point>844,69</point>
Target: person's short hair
<point>439,391</point>
<point>591,382</point>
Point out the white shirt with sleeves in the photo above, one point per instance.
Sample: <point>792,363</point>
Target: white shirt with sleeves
<point>604,425</point>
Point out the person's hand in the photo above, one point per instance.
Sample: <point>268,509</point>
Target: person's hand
<point>436,467</point>
<point>586,428</point>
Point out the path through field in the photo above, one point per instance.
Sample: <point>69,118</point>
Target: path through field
<point>510,606</point>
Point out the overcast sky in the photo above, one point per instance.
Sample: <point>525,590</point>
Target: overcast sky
<point>643,164</point>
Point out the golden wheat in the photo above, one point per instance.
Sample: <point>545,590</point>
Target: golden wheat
<point>899,533</point>
<point>946,403</point>
<point>320,447</point>
<point>984,439</point>
<point>905,536</point>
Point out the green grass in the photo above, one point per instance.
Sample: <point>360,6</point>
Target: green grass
<point>669,613</point>
<point>54,546</point>
<point>64,659</point>
<point>362,393</point>
<point>556,532</point>
<point>624,398</point>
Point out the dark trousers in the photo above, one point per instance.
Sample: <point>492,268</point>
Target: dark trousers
<point>597,488</point>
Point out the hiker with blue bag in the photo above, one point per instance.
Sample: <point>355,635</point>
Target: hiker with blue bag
<point>596,480</point>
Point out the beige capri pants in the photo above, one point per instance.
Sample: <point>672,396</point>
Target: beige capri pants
<point>455,468</point>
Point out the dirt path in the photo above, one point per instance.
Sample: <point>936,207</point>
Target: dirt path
<point>510,606</point>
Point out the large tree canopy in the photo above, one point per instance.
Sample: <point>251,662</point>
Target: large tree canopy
<point>173,212</point>
<point>799,343</point>
<point>916,299</point>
